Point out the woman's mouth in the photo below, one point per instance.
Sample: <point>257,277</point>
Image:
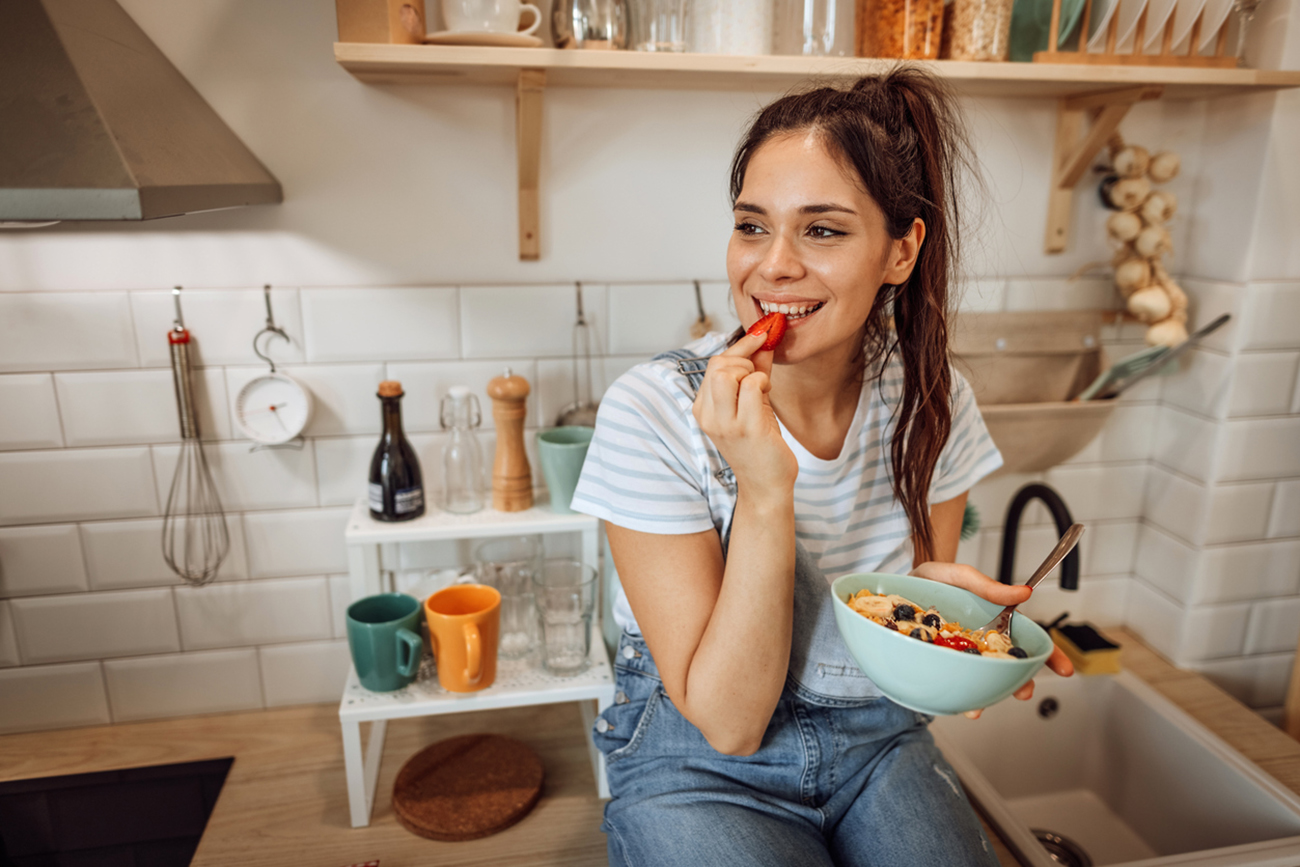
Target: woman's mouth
<point>793,312</point>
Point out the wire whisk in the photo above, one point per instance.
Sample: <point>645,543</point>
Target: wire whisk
<point>195,538</point>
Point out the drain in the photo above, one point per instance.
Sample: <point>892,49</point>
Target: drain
<point>1063,850</point>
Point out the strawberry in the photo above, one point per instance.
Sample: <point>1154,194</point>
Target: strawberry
<point>773,325</point>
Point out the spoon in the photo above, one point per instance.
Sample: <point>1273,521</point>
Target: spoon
<point>1002,622</point>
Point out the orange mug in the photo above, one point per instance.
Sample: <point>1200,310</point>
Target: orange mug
<point>464,621</point>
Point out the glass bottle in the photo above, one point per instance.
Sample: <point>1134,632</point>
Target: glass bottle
<point>396,485</point>
<point>462,458</point>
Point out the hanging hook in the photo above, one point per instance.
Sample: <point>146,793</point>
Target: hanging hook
<point>178,324</point>
<point>271,328</point>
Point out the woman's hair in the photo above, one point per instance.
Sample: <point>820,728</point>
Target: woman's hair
<point>902,135</point>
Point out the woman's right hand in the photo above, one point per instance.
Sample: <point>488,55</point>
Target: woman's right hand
<point>733,409</point>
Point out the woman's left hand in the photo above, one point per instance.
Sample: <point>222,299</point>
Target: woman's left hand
<point>972,579</point>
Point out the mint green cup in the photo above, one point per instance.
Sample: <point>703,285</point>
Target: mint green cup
<point>561,452</point>
<point>384,637</point>
<point>926,677</point>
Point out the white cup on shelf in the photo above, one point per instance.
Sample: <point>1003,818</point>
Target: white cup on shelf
<point>489,16</point>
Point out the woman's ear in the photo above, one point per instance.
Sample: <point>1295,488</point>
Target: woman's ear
<point>903,253</point>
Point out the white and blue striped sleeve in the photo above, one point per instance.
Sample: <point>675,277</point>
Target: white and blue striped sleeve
<point>643,468</point>
<point>969,455</point>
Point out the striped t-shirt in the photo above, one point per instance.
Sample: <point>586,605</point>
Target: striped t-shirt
<point>650,468</point>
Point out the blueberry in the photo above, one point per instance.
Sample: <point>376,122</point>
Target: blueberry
<point>1018,653</point>
<point>904,612</point>
<point>932,620</point>
<point>974,650</point>
<point>920,634</point>
<point>889,624</point>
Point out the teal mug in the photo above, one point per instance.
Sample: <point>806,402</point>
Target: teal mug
<point>384,636</point>
<point>561,452</point>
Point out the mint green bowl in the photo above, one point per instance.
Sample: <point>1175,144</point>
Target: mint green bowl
<point>925,677</point>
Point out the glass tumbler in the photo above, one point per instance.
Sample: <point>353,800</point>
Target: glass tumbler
<point>660,25</point>
<point>566,596</point>
<point>510,565</point>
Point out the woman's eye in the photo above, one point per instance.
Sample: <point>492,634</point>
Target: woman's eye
<point>747,228</point>
<point>823,232</point>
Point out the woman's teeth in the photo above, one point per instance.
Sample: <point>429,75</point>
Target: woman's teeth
<point>791,311</point>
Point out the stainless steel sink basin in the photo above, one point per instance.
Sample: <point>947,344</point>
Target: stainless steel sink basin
<point>1123,773</point>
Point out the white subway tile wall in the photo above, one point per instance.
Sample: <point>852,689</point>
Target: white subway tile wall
<point>181,684</point>
<point>88,443</point>
<point>30,419</point>
<point>40,560</point>
<point>306,673</point>
<point>84,626</point>
<point>65,331</point>
<point>253,612</point>
<point>8,641</point>
<point>132,407</point>
<point>125,554</point>
<point>52,697</point>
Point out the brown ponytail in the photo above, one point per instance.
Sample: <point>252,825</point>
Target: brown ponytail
<point>902,134</point>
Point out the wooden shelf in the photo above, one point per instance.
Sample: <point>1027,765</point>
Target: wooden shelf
<point>380,63</point>
<point>1104,93</point>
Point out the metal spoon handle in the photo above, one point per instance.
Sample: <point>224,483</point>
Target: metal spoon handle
<point>1063,547</point>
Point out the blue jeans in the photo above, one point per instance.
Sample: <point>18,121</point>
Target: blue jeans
<point>835,782</point>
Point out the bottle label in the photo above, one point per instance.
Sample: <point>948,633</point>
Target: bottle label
<point>376,498</point>
<point>408,500</point>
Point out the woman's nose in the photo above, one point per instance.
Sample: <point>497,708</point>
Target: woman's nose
<point>781,261</point>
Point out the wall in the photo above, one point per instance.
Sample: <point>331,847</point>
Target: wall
<point>1218,569</point>
<point>394,256</point>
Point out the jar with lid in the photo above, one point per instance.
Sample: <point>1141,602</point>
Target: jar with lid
<point>981,29</point>
<point>813,28</point>
<point>462,457</point>
<point>907,29</point>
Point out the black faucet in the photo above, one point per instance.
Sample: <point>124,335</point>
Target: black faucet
<point>1060,514</point>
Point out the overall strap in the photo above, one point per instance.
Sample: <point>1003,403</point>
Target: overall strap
<point>691,367</point>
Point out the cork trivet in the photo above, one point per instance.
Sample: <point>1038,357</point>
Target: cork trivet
<point>467,787</point>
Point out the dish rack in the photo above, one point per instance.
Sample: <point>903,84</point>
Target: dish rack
<point>1137,56</point>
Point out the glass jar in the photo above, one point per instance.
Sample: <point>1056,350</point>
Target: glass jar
<point>813,28</point>
<point>462,458</point>
<point>731,26</point>
<point>906,29</point>
<point>981,29</point>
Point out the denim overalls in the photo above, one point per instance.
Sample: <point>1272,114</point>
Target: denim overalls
<point>844,776</point>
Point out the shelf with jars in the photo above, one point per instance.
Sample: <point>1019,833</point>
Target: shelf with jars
<point>1092,97</point>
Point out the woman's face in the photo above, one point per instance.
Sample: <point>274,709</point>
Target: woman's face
<point>811,242</point>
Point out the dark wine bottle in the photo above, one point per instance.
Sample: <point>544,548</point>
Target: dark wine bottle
<point>396,486</point>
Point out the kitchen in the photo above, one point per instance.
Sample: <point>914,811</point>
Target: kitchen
<point>395,255</point>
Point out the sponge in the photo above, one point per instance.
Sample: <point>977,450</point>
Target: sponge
<point>1090,652</point>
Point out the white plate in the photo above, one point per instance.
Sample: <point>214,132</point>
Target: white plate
<point>1158,12</point>
<point>504,40</point>
<point>1216,12</point>
<point>1100,22</point>
<point>1184,17</point>
<point>1129,13</point>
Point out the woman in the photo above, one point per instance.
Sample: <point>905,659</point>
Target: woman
<point>742,732</point>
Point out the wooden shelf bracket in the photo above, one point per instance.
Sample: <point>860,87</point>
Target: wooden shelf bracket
<point>1074,151</point>
<point>528,145</point>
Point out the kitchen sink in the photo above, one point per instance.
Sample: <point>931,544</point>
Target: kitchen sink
<point>1108,766</point>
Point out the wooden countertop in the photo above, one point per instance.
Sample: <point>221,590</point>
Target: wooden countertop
<point>285,800</point>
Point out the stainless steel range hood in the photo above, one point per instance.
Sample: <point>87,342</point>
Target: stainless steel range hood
<point>96,124</point>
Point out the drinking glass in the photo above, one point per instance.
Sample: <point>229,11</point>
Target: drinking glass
<point>660,25</point>
<point>566,596</point>
<point>814,28</point>
<point>509,565</point>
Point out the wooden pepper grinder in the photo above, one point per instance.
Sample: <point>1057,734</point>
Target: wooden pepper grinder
<point>512,479</point>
